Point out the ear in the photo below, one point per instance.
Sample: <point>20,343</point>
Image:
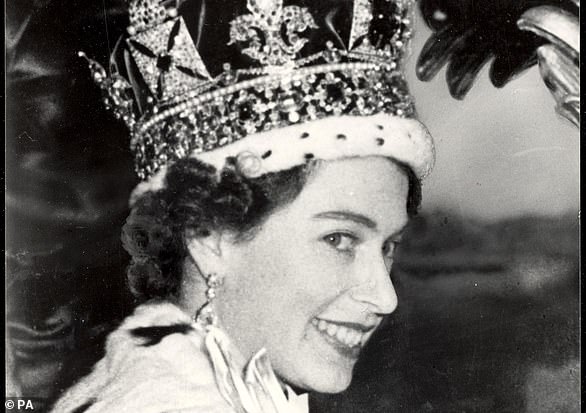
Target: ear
<point>206,251</point>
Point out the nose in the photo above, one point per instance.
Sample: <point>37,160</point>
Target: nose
<point>376,288</point>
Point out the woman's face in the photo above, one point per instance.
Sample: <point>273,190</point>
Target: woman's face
<point>313,284</point>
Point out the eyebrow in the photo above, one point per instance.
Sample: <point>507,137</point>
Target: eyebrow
<point>347,216</point>
<point>357,218</point>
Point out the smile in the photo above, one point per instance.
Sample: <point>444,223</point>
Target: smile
<point>349,335</point>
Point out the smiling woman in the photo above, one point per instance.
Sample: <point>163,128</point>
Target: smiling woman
<point>319,255</point>
<point>276,182</point>
<point>315,268</point>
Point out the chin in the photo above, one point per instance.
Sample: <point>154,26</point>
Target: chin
<point>326,381</point>
<point>333,388</point>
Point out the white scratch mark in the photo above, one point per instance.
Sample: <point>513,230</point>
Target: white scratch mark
<point>538,149</point>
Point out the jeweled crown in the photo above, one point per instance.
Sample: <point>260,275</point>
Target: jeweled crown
<point>195,75</point>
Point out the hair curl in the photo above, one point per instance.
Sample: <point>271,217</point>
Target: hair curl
<point>195,201</point>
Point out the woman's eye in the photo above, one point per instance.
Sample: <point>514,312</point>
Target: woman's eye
<point>389,249</point>
<point>340,241</point>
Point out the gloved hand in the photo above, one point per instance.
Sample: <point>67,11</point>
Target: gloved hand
<point>514,34</point>
<point>559,60</point>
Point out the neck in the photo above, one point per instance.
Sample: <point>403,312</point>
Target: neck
<point>192,294</point>
<point>192,297</point>
<point>297,390</point>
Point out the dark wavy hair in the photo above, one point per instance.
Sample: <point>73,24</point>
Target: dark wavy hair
<point>195,200</point>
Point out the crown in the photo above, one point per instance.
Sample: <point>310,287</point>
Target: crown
<point>192,76</point>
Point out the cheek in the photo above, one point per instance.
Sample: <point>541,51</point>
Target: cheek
<point>306,276</point>
<point>283,277</point>
<point>276,284</point>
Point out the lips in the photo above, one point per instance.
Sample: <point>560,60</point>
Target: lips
<point>346,337</point>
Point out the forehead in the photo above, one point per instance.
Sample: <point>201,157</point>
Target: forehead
<point>373,186</point>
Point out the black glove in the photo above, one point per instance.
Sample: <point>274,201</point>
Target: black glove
<point>470,33</point>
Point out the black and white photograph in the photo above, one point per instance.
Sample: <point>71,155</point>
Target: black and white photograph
<point>292,206</point>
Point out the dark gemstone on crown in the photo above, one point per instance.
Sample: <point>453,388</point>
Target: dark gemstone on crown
<point>335,92</point>
<point>164,62</point>
<point>245,111</point>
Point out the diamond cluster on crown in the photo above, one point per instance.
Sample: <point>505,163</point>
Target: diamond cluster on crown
<point>170,67</point>
<point>263,30</point>
<point>223,119</point>
<point>189,111</point>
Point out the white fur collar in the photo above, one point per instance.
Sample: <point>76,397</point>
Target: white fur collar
<point>174,374</point>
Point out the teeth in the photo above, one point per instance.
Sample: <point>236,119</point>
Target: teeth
<point>347,336</point>
<point>354,337</point>
<point>342,333</point>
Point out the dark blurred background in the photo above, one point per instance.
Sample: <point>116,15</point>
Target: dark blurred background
<point>487,277</point>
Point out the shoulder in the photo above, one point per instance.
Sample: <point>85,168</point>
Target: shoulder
<point>155,362</point>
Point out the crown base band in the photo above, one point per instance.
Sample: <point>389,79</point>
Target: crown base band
<point>223,116</point>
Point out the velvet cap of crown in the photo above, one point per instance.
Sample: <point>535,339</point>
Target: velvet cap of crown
<point>250,79</point>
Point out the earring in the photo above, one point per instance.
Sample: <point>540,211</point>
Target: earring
<point>206,315</point>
